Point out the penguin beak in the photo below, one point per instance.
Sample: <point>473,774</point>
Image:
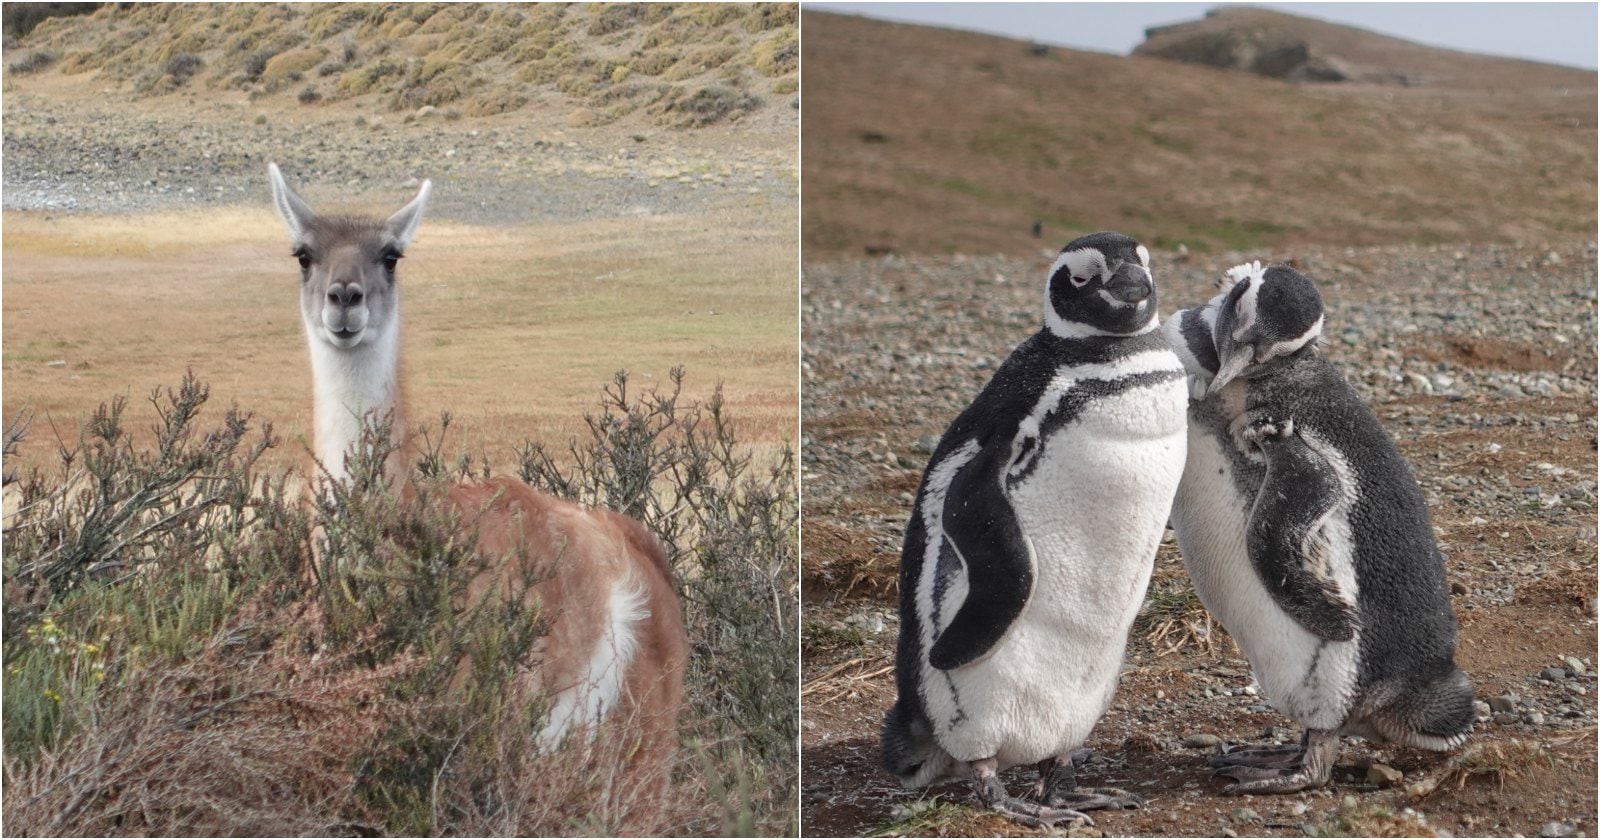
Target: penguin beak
<point>1234,358</point>
<point>1131,283</point>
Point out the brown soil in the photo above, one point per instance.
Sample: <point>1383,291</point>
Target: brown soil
<point>1488,353</point>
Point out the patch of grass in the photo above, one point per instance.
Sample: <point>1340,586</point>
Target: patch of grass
<point>1162,140</point>
<point>1356,820</point>
<point>706,106</point>
<point>1172,619</point>
<point>1495,761</point>
<point>291,65</point>
<point>1027,144</point>
<point>923,818</point>
<point>33,62</point>
<point>777,54</point>
<point>818,636</point>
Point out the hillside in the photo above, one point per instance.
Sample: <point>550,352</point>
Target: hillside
<point>682,65</point>
<point>1275,44</point>
<point>919,139</point>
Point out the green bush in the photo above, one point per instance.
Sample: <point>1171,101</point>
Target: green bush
<point>193,647</point>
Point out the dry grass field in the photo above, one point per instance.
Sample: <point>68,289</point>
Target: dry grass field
<point>1206,158</point>
<point>513,329</point>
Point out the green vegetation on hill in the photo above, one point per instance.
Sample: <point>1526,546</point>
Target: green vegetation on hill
<point>684,64</point>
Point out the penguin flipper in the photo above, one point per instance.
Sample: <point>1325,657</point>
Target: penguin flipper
<point>1286,541</point>
<point>998,562</point>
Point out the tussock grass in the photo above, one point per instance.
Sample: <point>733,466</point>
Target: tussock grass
<point>404,56</point>
<point>1495,761</point>
<point>1355,820</point>
<point>192,649</point>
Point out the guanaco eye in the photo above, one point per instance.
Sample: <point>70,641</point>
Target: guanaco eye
<point>390,258</point>
<point>304,257</point>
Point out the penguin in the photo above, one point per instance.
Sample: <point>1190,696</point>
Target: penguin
<point>1307,537</point>
<point>1032,541</point>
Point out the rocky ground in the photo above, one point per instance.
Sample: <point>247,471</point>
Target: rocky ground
<point>69,147</point>
<point>1480,360</point>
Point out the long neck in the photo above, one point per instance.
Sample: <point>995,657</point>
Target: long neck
<point>352,388</point>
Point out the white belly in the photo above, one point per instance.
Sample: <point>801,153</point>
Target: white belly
<point>1303,676</point>
<point>1093,510</point>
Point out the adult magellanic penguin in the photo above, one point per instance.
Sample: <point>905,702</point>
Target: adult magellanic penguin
<point>1032,541</point>
<point>1307,537</point>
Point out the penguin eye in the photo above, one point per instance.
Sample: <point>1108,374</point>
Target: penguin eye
<point>1079,282</point>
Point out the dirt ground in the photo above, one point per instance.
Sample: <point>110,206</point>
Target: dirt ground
<point>1488,389</point>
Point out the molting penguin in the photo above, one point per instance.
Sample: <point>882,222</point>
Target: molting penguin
<point>1032,542</point>
<point>1307,537</point>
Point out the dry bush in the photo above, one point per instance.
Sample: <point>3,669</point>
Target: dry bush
<point>410,55</point>
<point>191,649</point>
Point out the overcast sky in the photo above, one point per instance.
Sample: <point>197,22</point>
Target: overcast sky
<point>1558,33</point>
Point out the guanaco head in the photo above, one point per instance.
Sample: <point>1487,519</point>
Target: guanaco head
<point>347,290</point>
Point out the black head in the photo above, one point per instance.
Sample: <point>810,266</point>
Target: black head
<point>1100,285</point>
<point>1264,315</point>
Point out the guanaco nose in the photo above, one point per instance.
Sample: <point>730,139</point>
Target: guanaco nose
<point>344,294</point>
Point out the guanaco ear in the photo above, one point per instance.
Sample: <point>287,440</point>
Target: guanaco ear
<point>297,215</point>
<point>403,224</point>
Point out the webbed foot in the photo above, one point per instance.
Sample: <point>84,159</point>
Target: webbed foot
<point>1286,769</point>
<point>992,793</point>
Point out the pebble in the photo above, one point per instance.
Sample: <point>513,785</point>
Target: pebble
<point>1201,740</point>
<point>1573,663</point>
<point>1482,709</point>
<point>1502,703</point>
<point>1557,829</point>
<point>1553,674</point>
<point>1245,815</point>
<point>1383,775</point>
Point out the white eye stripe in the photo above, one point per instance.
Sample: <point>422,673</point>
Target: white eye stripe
<point>1144,255</point>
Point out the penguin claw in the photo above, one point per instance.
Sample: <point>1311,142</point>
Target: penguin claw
<point>1288,755</point>
<point>1035,815</point>
<point>1281,783</point>
<point>1085,799</point>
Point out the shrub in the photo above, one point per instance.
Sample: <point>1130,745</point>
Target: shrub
<point>33,62</point>
<point>191,648</point>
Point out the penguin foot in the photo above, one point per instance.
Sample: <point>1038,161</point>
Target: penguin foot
<point>1273,773</point>
<point>1089,799</point>
<point>1285,756</point>
<point>994,797</point>
<point>1275,781</point>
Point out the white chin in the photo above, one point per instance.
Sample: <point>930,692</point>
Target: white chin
<point>344,343</point>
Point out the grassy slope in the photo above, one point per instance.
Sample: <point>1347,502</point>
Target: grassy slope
<point>685,65</point>
<point>965,152</point>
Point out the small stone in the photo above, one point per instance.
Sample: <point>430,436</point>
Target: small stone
<point>1553,674</point>
<point>1502,703</point>
<point>1421,788</point>
<point>1245,815</point>
<point>1573,663</point>
<point>426,110</point>
<point>1201,740</point>
<point>928,443</point>
<point>56,363</point>
<point>1504,718</point>
<point>1482,709</point>
<point>1556,829</point>
<point>1458,588</point>
<point>1383,775</point>
<point>1299,809</point>
<point>1536,718</point>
